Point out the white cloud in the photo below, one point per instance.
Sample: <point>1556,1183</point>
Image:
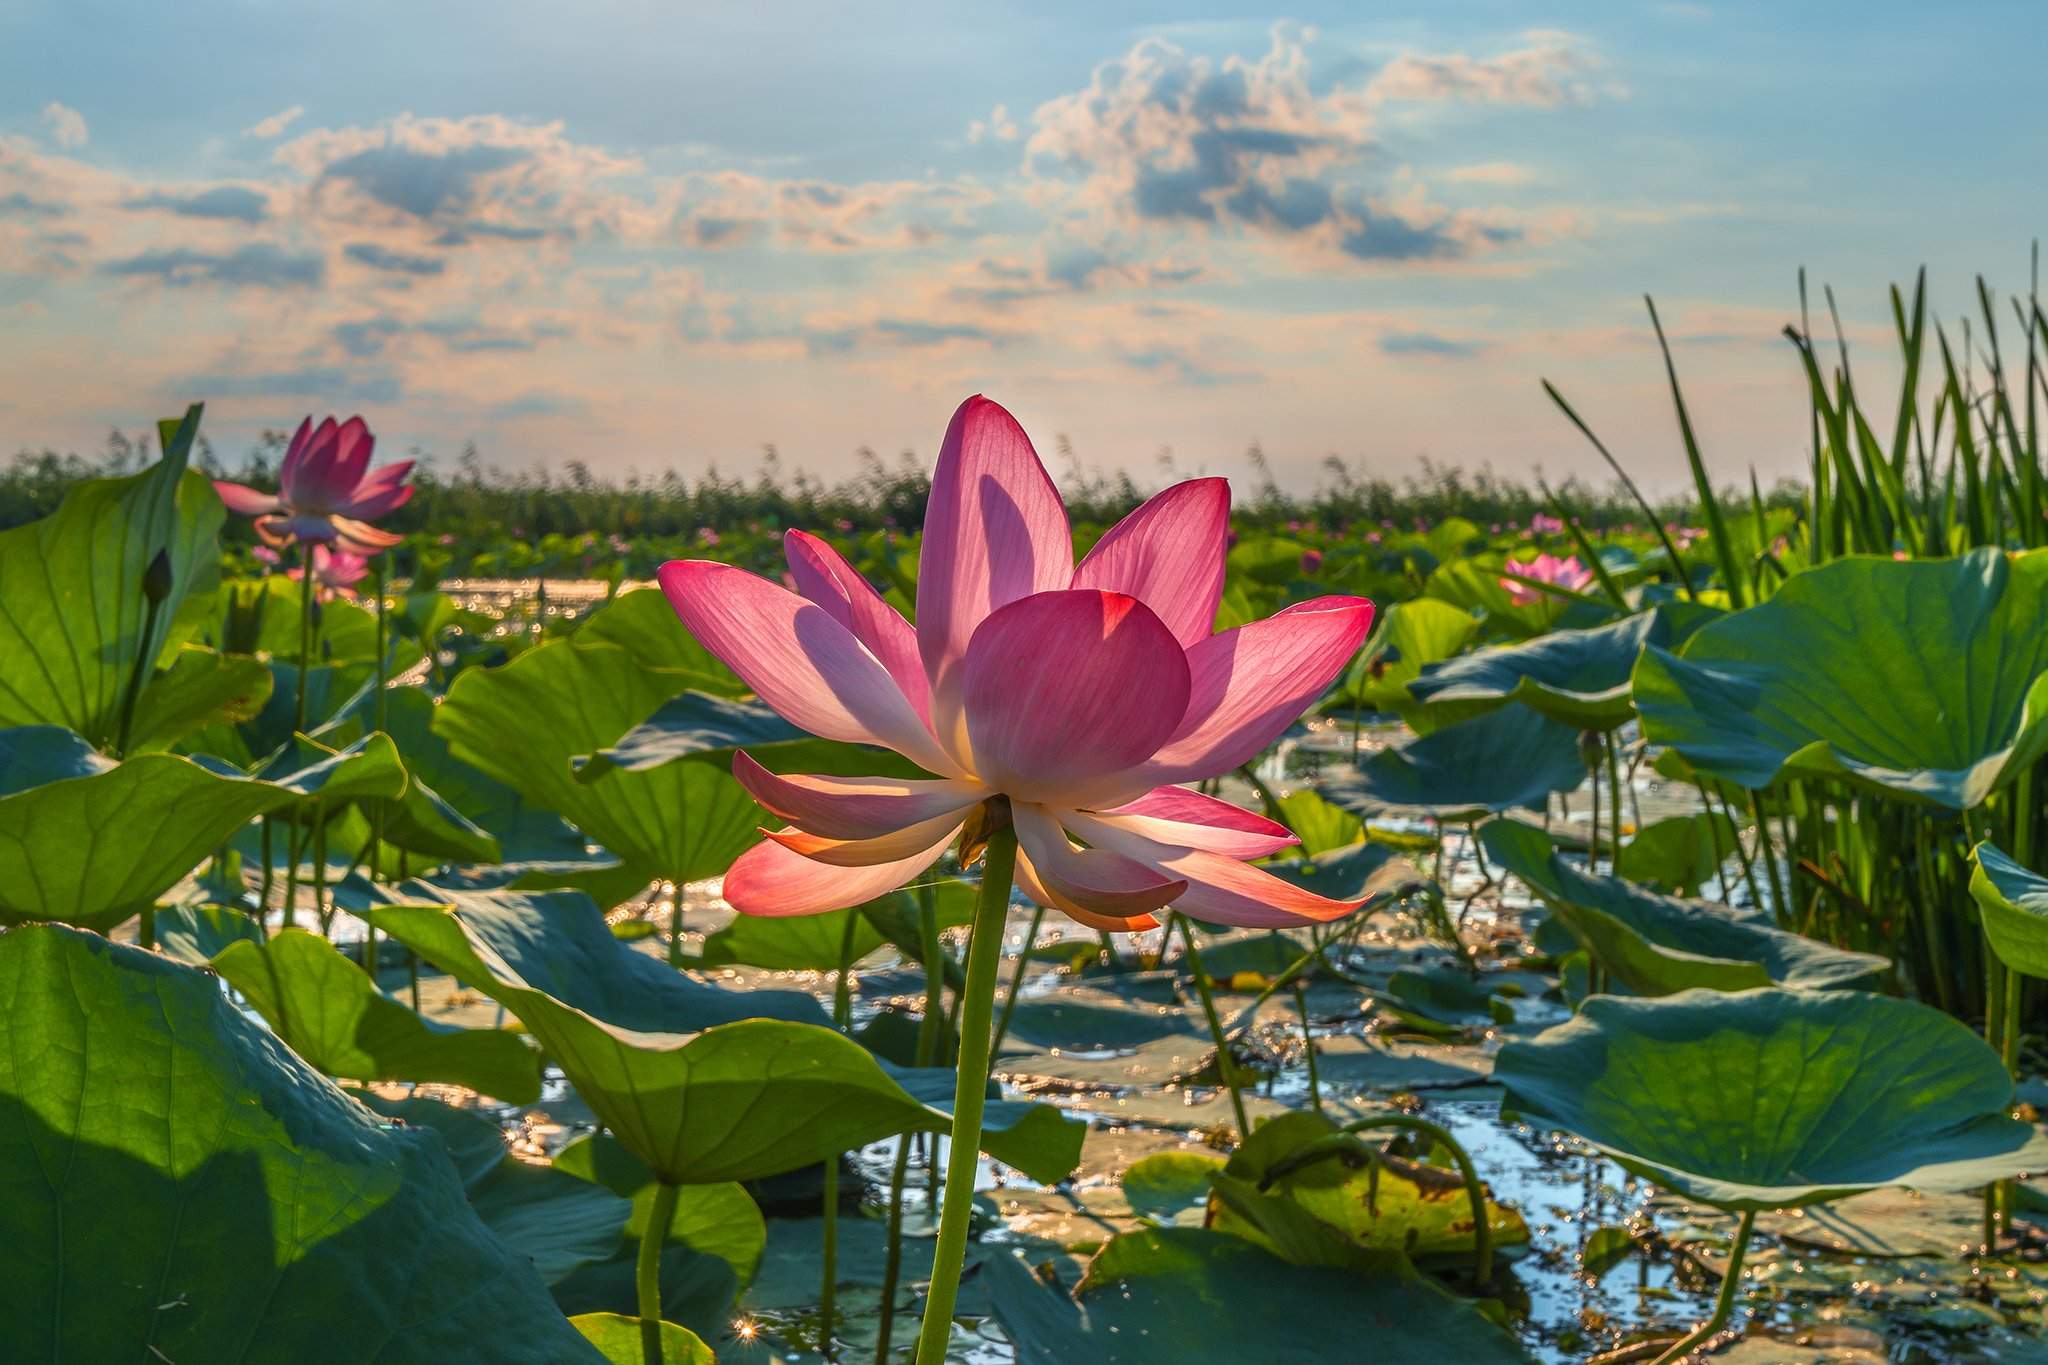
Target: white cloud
<point>1490,173</point>
<point>66,125</point>
<point>1552,68</point>
<point>275,125</point>
<point>998,125</point>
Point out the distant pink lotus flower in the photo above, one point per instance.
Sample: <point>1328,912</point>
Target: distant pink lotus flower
<point>1544,524</point>
<point>1082,694</point>
<point>1565,573</point>
<point>264,555</point>
<point>1311,562</point>
<point>334,571</point>
<point>326,490</point>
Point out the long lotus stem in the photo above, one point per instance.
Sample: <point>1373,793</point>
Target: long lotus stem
<point>1779,906</point>
<point>1308,1047</point>
<point>1724,1302</point>
<point>927,1046</point>
<point>647,1270</point>
<point>1614,816</point>
<point>970,1090</point>
<point>305,629</point>
<point>828,1279</point>
<point>1017,980</point>
<point>1208,998</point>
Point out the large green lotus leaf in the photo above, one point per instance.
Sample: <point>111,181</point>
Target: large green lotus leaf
<point>2014,905</point>
<point>1422,1212</point>
<point>1475,585</point>
<point>1411,634</point>
<point>524,723</point>
<point>618,1338</point>
<point>1679,852</point>
<point>735,1102</point>
<point>330,1012</point>
<point>557,943</point>
<point>1925,679</point>
<point>643,623</point>
<point>794,943</point>
<point>558,1221</point>
<point>1040,1140</point>
<point>1656,944</point>
<point>1187,1294</point>
<point>1491,763</point>
<point>183,1188</point>
<point>1576,677</point>
<point>525,832</point>
<point>714,1220</point>
<point>72,607</point>
<point>192,934</point>
<point>1774,1098</point>
<point>90,842</point>
<point>694,723</point>
<point>198,687</point>
<point>1165,1187</point>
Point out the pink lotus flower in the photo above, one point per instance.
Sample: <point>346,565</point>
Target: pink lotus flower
<point>1082,694</point>
<point>334,571</point>
<point>326,490</point>
<point>1543,524</point>
<point>1565,573</point>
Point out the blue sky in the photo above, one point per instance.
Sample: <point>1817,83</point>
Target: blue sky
<point>653,235</point>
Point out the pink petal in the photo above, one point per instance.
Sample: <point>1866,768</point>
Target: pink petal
<point>353,445</point>
<point>244,501</point>
<point>768,879</point>
<point>1177,815</point>
<point>359,536</point>
<point>823,575</point>
<point>1066,689</point>
<point>995,530</point>
<point>893,846</point>
<point>1251,683</point>
<point>305,482</point>
<point>1029,882</point>
<point>296,451</point>
<point>1169,555</point>
<point>798,659</point>
<point>1220,890</point>
<point>853,807</point>
<point>382,491</point>
<point>1099,881</point>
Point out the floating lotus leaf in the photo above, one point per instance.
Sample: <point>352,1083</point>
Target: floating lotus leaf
<point>526,722</point>
<point>1482,766</point>
<point>331,1013</point>
<point>1422,1212</point>
<point>88,841</point>
<point>1775,1098</point>
<point>1164,1294</point>
<point>2014,905</point>
<point>1926,679</point>
<point>1579,678</point>
<point>1656,944</point>
<point>735,1102</point>
<point>72,608</point>
<point>191,1191</point>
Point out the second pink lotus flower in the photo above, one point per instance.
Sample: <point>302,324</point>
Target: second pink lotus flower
<point>1082,694</point>
<point>1565,573</point>
<point>326,490</point>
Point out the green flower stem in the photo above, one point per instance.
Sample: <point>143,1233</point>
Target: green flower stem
<point>305,629</point>
<point>828,1279</point>
<point>970,1092</point>
<point>1765,850</point>
<point>1308,1047</point>
<point>647,1270</point>
<point>1208,998</point>
<point>927,1046</point>
<point>144,665</point>
<point>1614,790</point>
<point>1724,1302</point>
<point>1017,980</point>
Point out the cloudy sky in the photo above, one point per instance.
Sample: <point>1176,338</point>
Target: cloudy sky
<point>651,235</point>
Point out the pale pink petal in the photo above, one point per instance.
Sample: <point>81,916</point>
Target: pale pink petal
<point>1169,555</point>
<point>1220,890</point>
<point>798,659</point>
<point>1178,815</point>
<point>823,575</point>
<point>995,530</point>
<point>768,879</point>
<point>382,491</point>
<point>1251,683</point>
<point>854,807</point>
<point>1100,881</point>
<point>1030,884</point>
<point>360,536</point>
<point>1066,689</point>
<point>296,452</point>
<point>244,501</point>
<point>893,846</point>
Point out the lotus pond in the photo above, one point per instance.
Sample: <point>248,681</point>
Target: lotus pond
<point>1330,944</point>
